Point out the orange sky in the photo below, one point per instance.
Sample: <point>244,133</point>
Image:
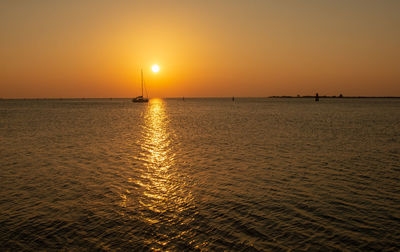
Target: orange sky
<point>204,48</point>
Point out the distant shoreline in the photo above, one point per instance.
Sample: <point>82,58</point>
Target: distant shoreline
<point>339,97</point>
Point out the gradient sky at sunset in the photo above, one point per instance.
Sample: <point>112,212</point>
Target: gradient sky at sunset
<point>204,48</point>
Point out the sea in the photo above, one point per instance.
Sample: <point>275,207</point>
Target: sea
<point>212,174</point>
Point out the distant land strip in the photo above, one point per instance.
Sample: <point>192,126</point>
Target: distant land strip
<point>339,97</point>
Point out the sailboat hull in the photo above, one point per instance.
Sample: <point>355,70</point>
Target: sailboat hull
<point>140,99</point>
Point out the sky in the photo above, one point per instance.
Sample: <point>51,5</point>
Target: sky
<point>219,48</point>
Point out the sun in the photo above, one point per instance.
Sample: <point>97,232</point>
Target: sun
<point>155,68</point>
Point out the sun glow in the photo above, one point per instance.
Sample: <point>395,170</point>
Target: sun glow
<point>155,68</point>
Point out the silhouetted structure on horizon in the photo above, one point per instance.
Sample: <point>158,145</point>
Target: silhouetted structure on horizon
<point>316,97</point>
<point>141,98</point>
<point>334,96</point>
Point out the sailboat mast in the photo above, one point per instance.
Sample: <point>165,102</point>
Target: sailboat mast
<point>142,81</point>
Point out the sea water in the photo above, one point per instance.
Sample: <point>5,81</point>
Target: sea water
<point>200,174</point>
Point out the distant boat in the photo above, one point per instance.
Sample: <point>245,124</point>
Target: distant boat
<point>140,98</point>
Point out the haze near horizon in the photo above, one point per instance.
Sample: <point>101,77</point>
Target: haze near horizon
<point>52,49</point>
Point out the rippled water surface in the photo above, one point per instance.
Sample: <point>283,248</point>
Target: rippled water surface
<point>205,174</point>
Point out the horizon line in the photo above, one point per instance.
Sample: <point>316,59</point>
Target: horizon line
<point>200,97</point>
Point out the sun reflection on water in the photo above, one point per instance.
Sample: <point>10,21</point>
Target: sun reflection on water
<point>164,200</point>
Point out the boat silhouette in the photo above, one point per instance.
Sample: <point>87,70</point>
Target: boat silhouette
<point>141,98</point>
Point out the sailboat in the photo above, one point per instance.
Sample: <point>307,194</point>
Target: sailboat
<point>140,98</point>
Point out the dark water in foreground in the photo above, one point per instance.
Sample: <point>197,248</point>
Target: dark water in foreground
<point>207,174</point>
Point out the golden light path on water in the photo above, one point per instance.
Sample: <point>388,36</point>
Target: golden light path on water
<point>164,197</point>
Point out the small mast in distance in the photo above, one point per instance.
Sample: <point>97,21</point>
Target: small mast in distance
<point>140,98</point>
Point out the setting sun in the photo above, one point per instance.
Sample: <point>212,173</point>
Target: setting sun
<point>155,68</point>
